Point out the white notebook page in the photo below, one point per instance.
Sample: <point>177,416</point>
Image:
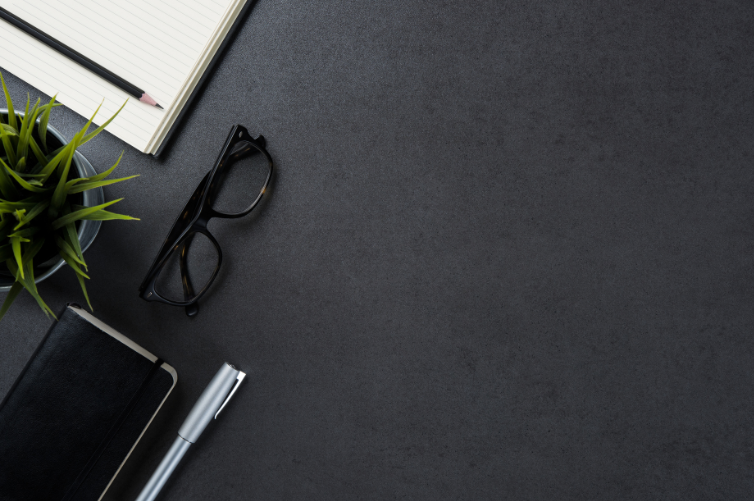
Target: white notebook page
<point>156,45</point>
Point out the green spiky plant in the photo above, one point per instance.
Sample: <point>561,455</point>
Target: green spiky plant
<point>38,194</point>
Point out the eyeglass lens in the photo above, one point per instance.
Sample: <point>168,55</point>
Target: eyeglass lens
<point>239,181</point>
<point>197,259</point>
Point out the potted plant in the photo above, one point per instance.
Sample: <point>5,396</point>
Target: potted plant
<point>43,210</point>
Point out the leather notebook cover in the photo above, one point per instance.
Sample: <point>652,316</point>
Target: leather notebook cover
<point>77,411</point>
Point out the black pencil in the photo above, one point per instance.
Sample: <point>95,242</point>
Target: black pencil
<point>79,58</point>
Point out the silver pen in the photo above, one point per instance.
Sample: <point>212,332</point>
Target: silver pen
<point>214,398</point>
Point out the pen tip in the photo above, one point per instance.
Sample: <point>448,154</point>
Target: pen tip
<point>146,98</point>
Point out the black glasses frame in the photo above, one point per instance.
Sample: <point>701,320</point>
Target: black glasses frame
<point>196,215</point>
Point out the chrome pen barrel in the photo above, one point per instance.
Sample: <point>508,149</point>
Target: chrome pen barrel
<point>209,403</point>
<point>163,471</point>
<point>212,400</point>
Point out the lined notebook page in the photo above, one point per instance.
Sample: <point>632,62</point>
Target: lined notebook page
<point>157,45</point>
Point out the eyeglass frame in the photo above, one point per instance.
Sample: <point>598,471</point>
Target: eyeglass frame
<point>200,204</point>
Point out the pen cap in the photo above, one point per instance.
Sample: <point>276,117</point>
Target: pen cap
<point>209,403</point>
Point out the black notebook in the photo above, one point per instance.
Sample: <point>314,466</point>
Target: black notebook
<point>77,410</point>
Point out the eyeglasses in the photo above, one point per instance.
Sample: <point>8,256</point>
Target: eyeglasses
<point>190,254</point>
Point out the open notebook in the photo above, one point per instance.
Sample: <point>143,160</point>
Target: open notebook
<point>162,46</point>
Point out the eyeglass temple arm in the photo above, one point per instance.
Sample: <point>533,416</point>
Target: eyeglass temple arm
<point>188,289</point>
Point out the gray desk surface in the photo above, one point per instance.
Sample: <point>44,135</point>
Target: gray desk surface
<point>508,256</point>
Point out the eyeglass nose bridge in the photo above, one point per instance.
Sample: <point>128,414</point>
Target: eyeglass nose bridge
<point>201,222</point>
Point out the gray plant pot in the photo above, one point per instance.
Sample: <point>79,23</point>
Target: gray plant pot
<point>87,229</point>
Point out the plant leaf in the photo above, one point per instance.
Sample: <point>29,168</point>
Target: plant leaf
<point>64,247</point>
<point>83,186</point>
<point>28,283</point>
<point>10,207</point>
<point>58,196</point>
<point>99,129</point>
<point>80,214</point>
<point>73,182</point>
<point>73,239</point>
<point>29,175</point>
<point>8,144</point>
<point>72,263</point>
<point>27,126</point>
<point>58,155</point>
<point>109,171</point>
<point>83,289</point>
<point>15,289</point>
<point>9,105</point>
<point>9,130</point>
<point>32,250</point>
<point>103,215</point>
<point>24,184</point>
<point>37,210</point>
<point>25,233</point>
<point>44,121</point>
<point>40,156</point>
<point>86,126</point>
<point>7,188</point>
<point>16,245</point>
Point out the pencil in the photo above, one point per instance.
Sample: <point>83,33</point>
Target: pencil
<point>79,58</point>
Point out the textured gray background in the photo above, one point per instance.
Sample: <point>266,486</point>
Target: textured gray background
<point>508,255</point>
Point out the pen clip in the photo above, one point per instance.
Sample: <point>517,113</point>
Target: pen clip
<point>239,378</point>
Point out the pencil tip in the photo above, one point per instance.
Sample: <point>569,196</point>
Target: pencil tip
<point>146,98</point>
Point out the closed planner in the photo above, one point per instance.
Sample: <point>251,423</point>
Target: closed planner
<point>77,410</point>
